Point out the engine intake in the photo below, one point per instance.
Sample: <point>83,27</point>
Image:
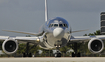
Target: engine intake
<point>10,46</point>
<point>95,45</point>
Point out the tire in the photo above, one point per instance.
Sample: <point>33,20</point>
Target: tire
<point>29,55</point>
<point>79,55</point>
<point>24,55</point>
<point>57,54</point>
<point>73,54</point>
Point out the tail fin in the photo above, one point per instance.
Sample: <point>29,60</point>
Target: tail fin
<point>46,11</point>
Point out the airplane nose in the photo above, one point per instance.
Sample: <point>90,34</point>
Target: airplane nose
<point>58,33</point>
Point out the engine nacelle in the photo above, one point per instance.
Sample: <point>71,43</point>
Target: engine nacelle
<point>10,46</point>
<point>95,45</point>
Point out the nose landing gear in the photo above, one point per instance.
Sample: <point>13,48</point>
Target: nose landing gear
<point>58,54</point>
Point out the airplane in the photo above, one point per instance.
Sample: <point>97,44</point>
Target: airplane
<point>56,34</point>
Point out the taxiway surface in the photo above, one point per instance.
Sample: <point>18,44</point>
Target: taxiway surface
<point>52,59</point>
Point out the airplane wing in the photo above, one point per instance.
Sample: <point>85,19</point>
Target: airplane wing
<point>35,39</point>
<point>95,43</point>
<point>80,38</point>
<point>35,34</point>
<point>10,44</point>
<point>22,39</point>
<point>4,37</point>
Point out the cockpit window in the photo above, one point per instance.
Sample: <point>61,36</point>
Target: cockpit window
<point>60,25</point>
<point>51,25</point>
<point>55,25</point>
<point>65,25</point>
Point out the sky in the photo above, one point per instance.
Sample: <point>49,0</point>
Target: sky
<point>28,15</point>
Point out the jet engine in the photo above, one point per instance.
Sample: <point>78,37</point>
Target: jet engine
<point>10,46</point>
<point>95,45</point>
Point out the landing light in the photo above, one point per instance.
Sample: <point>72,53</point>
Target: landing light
<point>56,46</point>
<point>37,40</point>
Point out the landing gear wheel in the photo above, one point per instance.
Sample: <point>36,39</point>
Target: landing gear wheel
<point>24,55</point>
<point>79,55</point>
<point>73,54</point>
<point>76,55</point>
<point>57,54</point>
<point>29,55</point>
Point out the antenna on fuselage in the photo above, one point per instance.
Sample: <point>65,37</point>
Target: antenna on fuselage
<point>46,11</point>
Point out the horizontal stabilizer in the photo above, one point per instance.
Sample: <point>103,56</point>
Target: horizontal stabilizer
<point>35,34</point>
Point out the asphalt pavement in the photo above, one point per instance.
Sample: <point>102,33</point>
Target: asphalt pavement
<point>53,59</point>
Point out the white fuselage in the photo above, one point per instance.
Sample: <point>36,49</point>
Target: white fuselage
<point>57,33</point>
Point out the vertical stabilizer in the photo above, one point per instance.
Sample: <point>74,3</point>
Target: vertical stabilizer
<point>46,11</point>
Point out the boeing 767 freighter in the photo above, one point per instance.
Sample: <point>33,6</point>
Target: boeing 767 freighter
<point>56,34</point>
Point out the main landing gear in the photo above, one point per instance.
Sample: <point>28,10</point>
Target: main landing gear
<point>76,54</point>
<point>75,47</point>
<point>26,53</point>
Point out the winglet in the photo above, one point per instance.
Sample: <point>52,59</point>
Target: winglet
<point>46,11</point>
